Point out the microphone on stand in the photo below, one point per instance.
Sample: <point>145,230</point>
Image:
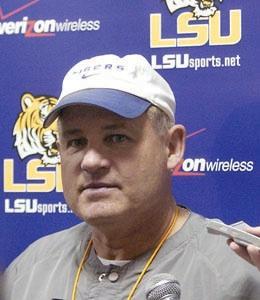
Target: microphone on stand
<point>163,287</point>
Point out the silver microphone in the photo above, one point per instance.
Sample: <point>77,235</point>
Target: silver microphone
<point>163,287</point>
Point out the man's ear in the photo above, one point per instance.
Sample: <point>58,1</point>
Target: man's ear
<point>176,145</point>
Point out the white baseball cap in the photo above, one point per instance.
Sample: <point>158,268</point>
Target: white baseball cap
<point>126,86</point>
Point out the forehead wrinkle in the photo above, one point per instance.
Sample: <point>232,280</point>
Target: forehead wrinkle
<point>97,117</point>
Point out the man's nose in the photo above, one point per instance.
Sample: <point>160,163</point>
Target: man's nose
<point>94,161</point>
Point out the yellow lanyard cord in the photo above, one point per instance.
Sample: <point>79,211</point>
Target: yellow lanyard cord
<point>148,263</point>
<point>83,260</point>
<point>156,250</point>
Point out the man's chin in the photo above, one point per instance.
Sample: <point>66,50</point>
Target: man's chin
<point>98,214</point>
<point>99,220</point>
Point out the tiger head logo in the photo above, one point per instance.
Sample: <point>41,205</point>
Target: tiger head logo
<point>30,136</point>
<point>201,8</point>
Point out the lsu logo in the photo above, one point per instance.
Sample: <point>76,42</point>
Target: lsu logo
<point>201,8</point>
<point>30,136</point>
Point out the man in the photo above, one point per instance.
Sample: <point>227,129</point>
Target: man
<point>118,145</point>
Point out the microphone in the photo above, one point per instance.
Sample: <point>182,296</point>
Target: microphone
<point>163,287</point>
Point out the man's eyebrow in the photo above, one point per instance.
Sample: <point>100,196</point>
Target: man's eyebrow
<point>129,126</point>
<point>70,132</point>
<point>114,126</point>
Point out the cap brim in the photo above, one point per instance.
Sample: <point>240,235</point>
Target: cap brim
<point>119,102</point>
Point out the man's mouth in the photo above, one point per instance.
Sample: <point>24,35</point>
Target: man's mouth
<point>99,186</point>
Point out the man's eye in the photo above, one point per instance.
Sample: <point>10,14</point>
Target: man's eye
<point>77,142</point>
<point>116,138</point>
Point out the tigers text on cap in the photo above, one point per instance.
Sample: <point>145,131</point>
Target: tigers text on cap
<point>126,86</point>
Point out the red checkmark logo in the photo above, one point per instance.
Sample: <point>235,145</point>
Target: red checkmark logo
<point>177,170</point>
<point>4,16</point>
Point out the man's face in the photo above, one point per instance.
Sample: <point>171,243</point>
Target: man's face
<point>112,168</point>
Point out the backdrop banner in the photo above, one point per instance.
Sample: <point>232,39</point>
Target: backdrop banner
<point>207,51</point>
